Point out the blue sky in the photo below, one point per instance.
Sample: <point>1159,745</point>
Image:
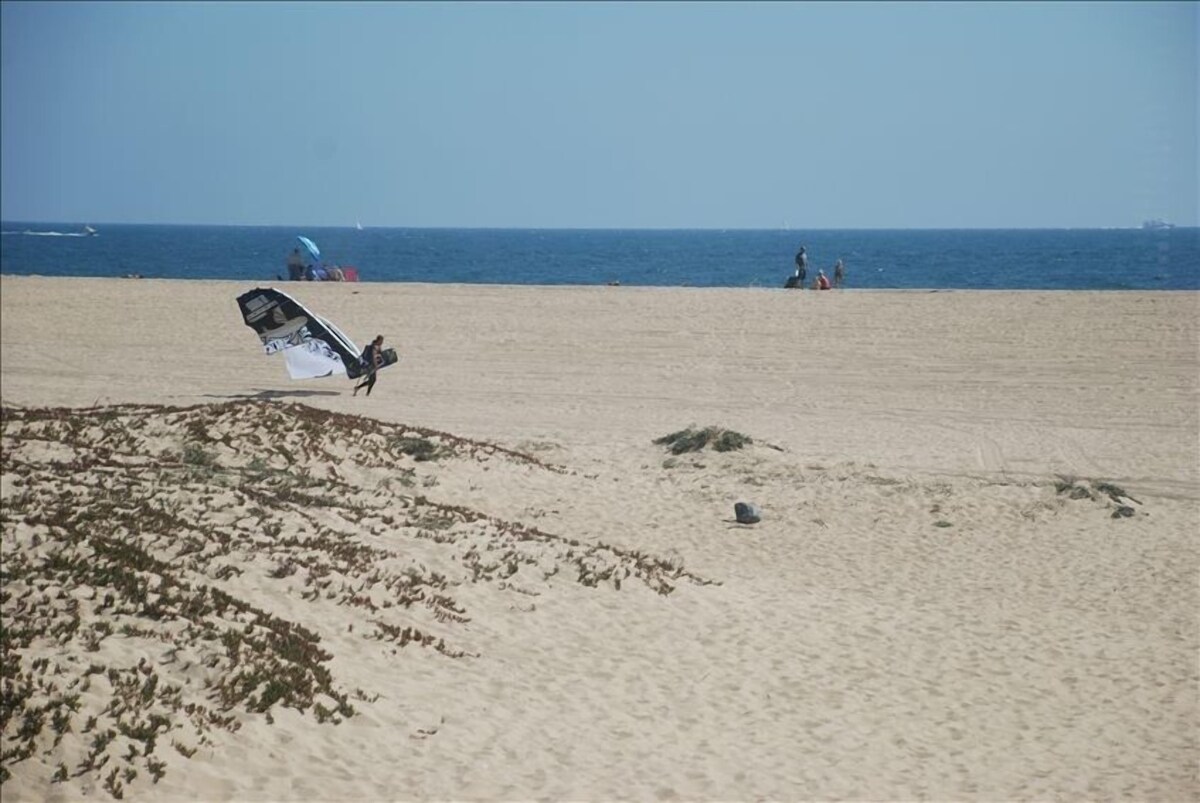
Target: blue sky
<point>604,115</point>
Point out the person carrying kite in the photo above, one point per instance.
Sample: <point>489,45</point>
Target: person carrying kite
<point>372,360</point>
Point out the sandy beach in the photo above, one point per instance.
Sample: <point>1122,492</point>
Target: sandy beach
<point>975,577</point>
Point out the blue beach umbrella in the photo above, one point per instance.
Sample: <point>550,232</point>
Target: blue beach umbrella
<point>311,246</point>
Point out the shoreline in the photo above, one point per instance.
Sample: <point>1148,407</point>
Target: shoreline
<point>283,284</point>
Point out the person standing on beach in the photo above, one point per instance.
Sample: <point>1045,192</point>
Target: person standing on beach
<point>295,265</point>
<point>372,358</point>
<point>839,273</point>
<point>801,266</point>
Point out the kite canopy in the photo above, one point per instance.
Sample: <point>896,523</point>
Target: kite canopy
<point>311,246</point>
<point>312,347</point>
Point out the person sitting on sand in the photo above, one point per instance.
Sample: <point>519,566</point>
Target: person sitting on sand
<point>822,280</point>
<point>372,359</point>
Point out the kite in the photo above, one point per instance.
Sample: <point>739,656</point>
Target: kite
<point>312,347</point>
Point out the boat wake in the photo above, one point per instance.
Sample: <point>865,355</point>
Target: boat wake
<point>51,233</point>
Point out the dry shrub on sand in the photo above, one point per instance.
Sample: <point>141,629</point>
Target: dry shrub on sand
<point>693,440</point>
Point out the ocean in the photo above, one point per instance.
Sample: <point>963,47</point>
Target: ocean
<point>992,259</point>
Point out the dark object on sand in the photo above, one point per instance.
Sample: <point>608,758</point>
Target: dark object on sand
<point>746,513</point>
<point>1123,512</point>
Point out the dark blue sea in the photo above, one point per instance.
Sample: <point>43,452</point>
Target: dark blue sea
<point>1037,259</point>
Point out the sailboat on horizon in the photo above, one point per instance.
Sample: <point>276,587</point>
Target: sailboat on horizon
<point>358,225</point>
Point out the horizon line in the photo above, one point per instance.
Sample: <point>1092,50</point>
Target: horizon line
<point>1136,227</point>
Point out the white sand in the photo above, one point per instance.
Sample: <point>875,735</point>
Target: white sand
<point>921,613</point>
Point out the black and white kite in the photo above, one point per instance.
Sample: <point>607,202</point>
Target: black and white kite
<point>312,347</point>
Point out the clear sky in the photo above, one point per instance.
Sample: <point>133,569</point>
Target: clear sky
<point>601,115</point>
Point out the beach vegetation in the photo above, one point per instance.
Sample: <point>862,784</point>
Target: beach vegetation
<point>1114,492</point>
<point>113,786</point>
<point>1075,488</point>
<point>419,449</point>
<point>157,768</point>
<point>433,519</point>
<point>693,439</point>
<point>1072,487</point>
<point>404,477</point>
<point>197,456</point>
<point>1065,482</point>
<point>257,466</point>
<point>117,559</point>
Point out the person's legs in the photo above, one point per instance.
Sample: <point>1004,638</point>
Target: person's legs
<point>370,383</point>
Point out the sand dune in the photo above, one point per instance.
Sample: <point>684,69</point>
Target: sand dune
<point>975,578</point>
